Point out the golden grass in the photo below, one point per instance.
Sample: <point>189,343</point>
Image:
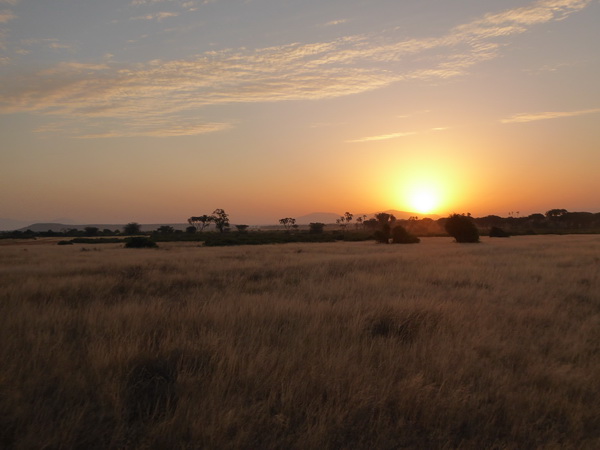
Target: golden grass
<point>342,345</point>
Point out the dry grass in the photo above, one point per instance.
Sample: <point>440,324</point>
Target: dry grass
<point>342,345</point>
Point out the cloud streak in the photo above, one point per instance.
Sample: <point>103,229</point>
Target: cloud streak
<point>383,137</point>
<point>533,117</point>
<point>129,96</point>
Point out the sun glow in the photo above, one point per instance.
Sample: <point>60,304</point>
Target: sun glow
<point>422,194</point>
<point>423,199</point>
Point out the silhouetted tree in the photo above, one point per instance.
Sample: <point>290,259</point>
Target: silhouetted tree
<point>221,219</point>
<point>165,229</point>
<point>462,228</point>
<point>553,213</point>
<point>242,228</point>
<point>200,222</point>
<point>132,228</point>
<point>385,222</point>
<point>287,222</point>
<point>191,229</point>
<point>360,220</point>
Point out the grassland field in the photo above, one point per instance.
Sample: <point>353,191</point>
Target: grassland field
<point>350,345</point>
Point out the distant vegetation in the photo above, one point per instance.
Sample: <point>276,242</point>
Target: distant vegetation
<point>349,227</point>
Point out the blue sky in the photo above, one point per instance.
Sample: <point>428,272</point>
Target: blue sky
<point>156,110</point>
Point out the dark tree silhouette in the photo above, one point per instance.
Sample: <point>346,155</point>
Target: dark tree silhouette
<point>242,228</point>
<point>221,219</point>
<point>462,228</point>
<point>165,229</point>
<point>553,213</point>
<point>288,222</point>
<point>385,222</point>
<point>200,222</point>
<point>132,228</point>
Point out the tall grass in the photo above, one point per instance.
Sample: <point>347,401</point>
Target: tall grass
<point>333,345</point>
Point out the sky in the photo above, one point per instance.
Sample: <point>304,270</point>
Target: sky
<point>153,111</point>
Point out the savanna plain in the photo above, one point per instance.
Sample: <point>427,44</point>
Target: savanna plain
<point>327,345</point>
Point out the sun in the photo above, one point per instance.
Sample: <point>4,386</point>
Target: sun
<point>422,198</point>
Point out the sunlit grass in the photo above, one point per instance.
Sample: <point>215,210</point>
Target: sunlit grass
<point>342,345</point>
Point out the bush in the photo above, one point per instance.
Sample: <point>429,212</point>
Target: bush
<point>140,242</point>
<point>65,242</point>
<point>401,236</point>
<point>316,227</point>
<point>498,232</point>
<point>382,237</point>
<point>462,228</point>
<point>132,228</point>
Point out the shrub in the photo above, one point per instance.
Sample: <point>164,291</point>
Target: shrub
<point>498,232</point>
<point>140,242</point>
<point>401,236</point>
<point>132,228</point>
<point>65,242</point>
<point>462,228</point>
<point>382,236</point>
<point>316,227</point>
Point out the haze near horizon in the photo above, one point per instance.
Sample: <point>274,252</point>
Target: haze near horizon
<point>157,110</point>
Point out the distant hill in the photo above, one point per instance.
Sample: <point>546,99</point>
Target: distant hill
<point>11,224</point>
<point>40,227</point>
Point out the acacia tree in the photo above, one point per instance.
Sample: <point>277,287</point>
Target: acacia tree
<point>221,219</point>
<point>360,220</point>
<point>348,217</point>
<point>288,223</point>
<point>200,222</point>
<point>344,220</point>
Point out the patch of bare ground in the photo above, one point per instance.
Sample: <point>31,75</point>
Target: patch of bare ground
<point>341,345</point>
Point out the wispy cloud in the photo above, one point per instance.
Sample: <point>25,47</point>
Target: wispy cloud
<point>129,96</point>
<point>6,16</point>
<point>532,117</point>
<point>156,16</point>
<point>383,137</point>
<point>332,23</point>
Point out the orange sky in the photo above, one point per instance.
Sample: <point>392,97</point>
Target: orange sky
<point>155,111</point>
